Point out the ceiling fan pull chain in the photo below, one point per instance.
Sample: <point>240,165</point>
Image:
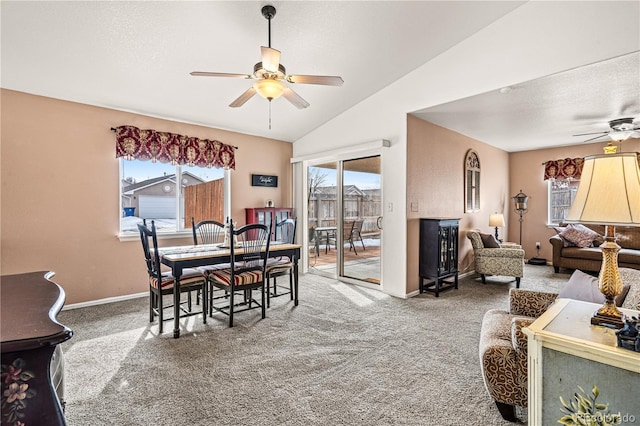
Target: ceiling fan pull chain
<point>269,114</point>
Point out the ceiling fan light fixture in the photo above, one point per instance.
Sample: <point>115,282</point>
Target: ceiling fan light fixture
<point>269,88</point>
<point>620,135</point>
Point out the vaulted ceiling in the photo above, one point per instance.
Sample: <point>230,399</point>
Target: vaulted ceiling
<point>137,56</point>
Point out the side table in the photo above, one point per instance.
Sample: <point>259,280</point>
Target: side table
<point>565,351</point>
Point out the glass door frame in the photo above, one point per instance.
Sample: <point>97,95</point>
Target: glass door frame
<point>338,159</point>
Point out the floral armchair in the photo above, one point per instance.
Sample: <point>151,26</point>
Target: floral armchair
<point>506,259</point>
<point>503,348</point>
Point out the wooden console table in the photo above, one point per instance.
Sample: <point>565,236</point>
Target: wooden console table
<point>29,335</point>
<point>565,351</point>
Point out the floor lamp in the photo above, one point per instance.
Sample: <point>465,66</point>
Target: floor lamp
<point>521,200</point>
<point>609,194</point>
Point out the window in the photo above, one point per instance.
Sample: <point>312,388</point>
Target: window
<point>472,182</point>
<point>169,195</point>
<point>561,195</point>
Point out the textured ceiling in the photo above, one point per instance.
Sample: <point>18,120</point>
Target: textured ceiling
<point>137,56</point>
<point>548,111</point>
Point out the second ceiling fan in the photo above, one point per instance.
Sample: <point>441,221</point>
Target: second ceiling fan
<point>270,75</point>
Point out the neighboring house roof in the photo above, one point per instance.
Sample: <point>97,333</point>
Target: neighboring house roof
<point>154,181</point>
<point>348,190</point>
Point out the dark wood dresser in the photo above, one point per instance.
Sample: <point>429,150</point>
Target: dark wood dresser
<point>29,335</point>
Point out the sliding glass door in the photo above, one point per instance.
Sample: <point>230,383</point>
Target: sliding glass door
<point>361,219</point>
<point>344,218</point>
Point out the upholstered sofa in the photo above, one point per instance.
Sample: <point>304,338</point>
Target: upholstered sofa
<point>503,344</point>
<point>590,258</point>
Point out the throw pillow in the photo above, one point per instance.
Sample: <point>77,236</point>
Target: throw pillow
<point>489,241</point>
<point>579,235</point>
<point>583,287</point>
<point>560,230</point>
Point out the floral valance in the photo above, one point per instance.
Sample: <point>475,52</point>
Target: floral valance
<point>133,143</point>
<point>566,168</point>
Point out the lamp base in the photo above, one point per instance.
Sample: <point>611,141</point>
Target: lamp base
<point>609,283</point>
<point>606,321</point>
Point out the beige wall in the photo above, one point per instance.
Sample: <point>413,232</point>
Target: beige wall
<point>53,150</point>
<point>435,180</point>
<point>528,174</point>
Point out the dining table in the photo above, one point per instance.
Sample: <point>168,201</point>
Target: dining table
<point>327,231</point>
<point>179,258</point>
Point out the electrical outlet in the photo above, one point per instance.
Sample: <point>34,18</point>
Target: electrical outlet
<point>390,207</point>
<point>537,245</point>
<point>414,206</point>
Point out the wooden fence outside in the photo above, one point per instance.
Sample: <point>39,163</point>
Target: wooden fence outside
<point>204,201</point>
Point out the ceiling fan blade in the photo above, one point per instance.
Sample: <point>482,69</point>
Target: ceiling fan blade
<point>294,98</point>
<point>327,80</point>
<point>594,138</point>
<point>270,59</point>
<point>219,74</point>
<point>248,94</point>
<point>592,133</point>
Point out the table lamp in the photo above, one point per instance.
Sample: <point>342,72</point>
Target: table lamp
<point>609,194</point>
<point>496,220</point>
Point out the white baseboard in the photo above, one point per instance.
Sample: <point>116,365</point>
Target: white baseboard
<point>106,300</point>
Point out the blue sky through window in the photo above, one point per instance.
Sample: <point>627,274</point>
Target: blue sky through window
<point>143,170</point>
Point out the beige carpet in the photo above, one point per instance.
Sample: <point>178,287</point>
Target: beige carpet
<point>345,356</point>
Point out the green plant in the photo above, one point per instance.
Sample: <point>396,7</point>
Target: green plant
<point>583,410</point>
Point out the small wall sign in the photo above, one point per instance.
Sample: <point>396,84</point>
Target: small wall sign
<point>264,180</point>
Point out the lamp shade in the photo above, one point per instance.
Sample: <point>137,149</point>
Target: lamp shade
<point>496,220</point>
<point>269,88</point>
<point>609,191</point>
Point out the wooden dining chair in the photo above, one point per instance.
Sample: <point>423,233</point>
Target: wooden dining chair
<point>283,265</point>
<point>208,232</point>
<point>247,270</point>
<point>356,233</point>
<point>161,283</point>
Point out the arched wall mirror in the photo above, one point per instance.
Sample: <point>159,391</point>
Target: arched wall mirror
<point>472,182</point>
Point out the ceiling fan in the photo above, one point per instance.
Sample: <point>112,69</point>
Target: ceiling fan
<point>270,75</point>
<point>621,129</point>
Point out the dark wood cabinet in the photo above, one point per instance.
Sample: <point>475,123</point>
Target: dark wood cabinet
<point>438,254</point>
<point>268,216</point>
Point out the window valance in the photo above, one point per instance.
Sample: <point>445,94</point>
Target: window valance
<point>134,143</point>
<point>565,168</point>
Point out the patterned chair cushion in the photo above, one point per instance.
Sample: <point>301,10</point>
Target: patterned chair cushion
<point>189,278</point>
<point>206,270</point>
<point>529,303</point>
<point>223,276</point>
<point>275,265</point>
